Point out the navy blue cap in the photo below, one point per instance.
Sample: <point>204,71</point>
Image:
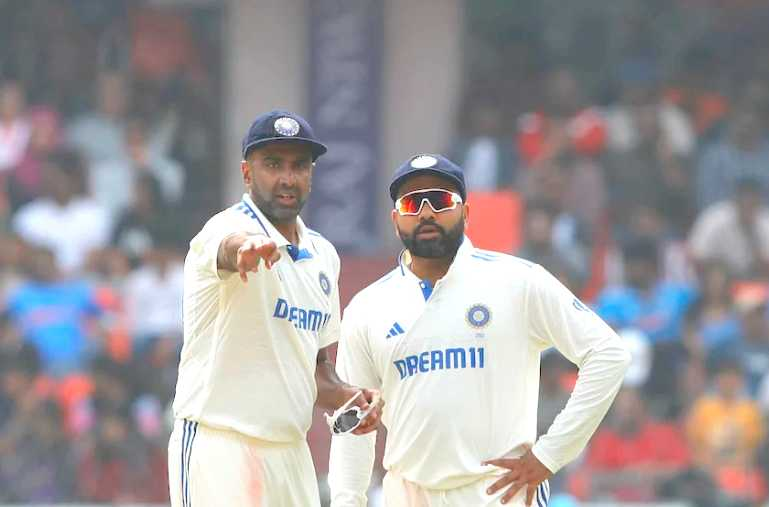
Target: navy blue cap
<point>428,164</point>
<point>281,125</point>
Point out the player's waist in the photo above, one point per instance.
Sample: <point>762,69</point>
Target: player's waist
<point>447,473</point>
<point>447,483</point>
<point>249,437</point>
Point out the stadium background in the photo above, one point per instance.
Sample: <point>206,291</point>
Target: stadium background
<point>616,142</point>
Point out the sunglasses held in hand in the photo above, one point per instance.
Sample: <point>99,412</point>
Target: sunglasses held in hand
<point>347,418</point>
<point>438,199</point>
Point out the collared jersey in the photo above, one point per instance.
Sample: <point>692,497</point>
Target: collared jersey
<point>250,349</point>
<point>458,366</point>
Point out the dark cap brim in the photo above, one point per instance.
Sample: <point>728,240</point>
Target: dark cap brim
<point>400,180</point>
<point>317,149</point>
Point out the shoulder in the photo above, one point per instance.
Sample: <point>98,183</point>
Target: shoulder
<point>228,217</point>
<point>321,243</point>
<point>325,249</point>
<point>500,266</point>
<point>222,223</point>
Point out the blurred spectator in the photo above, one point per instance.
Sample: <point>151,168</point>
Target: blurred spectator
<point>114,465</point>
<point>113,182</point>
<point>742,153</point>
<point>140,226</point>
<point>36,461</point>
<point>697,93</point>
<point>641,108</point>
<point>99,134</point>
<point>575,187</point>
<point>735,232</point>
<point>649,142</point>
<point>153,296</point>
<point>632,454</point>
<point>694,486</point>
<point>646,302</point>
<point>54,314</point>
<point>753,346</point>
<point>485,154</point>
<point>12,251</point>
<point>112,390</point>
<point>162,44</point>
<point>655,307</point>
<point>538,246</point>
<point>712,322</point>
<point>564,126</point>
<point>26,182</point>
<point>15,130</point>
<point>64,219</point>
<point>725,430</point>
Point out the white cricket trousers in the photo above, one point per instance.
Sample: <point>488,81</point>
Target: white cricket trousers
<point>210,467</point>
<point>399,492</point>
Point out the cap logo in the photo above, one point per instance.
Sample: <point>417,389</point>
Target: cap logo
<point>286,126</point>
<point>423,162</point>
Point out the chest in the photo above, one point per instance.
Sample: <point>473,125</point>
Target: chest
<point>466,327</point>
<point>299,294</point>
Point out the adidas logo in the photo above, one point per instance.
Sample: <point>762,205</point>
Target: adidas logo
<point>395,331</point>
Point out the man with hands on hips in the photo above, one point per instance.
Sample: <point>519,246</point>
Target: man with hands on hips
<point>452,337</point>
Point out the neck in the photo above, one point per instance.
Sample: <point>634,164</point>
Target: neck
<point>430,269</point>
<point>288,230</point>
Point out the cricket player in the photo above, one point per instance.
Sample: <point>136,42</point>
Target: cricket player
<point>452,337</point>
<point>261,304</point>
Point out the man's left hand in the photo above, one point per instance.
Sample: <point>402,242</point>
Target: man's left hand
<point>525,472</point>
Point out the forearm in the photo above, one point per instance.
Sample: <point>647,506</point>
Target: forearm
<point>600,377</point>
<point>331,389</point>
<point>227,255</point>
<point>351,461</point>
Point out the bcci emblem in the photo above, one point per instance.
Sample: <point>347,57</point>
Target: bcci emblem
<point>423,162</point>
<point>325,285</point>
<point>286,126</point>
<point>478,316</point>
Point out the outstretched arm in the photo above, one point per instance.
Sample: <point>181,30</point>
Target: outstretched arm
<point>243,252</point>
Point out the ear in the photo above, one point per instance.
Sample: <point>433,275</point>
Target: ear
<point>394,219</point>
<point>245,171</point>
<point>466,214</point>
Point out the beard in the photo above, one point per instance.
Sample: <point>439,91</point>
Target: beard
<point>275,211</point>
<point>445,244</point>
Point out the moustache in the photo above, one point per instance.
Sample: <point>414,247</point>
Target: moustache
<point>424,225</point>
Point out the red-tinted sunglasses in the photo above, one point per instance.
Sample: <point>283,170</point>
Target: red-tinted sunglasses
<point>438,199</point>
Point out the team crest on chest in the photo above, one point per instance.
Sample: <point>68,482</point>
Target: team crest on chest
<point>478,316</point>
<point>286,126</point>
<point>325,284</point>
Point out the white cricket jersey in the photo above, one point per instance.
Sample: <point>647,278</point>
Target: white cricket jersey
<point>249,355</point>
<point>458,367</point>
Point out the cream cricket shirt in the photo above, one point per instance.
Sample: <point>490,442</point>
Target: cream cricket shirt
<point>458,366</point>
<point>249,355</point>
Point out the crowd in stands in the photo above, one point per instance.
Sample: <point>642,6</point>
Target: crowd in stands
<point>646,188</point>
<point>106,147</point>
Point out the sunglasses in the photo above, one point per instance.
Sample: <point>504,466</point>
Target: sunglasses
<point>346,419</point>
<point>438,199</point>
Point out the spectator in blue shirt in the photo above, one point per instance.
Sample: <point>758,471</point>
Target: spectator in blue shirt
<point>645,302</point>
<point>53,314</point>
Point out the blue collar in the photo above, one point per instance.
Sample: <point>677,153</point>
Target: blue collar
<point>297,254</point>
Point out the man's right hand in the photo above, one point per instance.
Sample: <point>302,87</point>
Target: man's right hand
<point>252,252</point>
